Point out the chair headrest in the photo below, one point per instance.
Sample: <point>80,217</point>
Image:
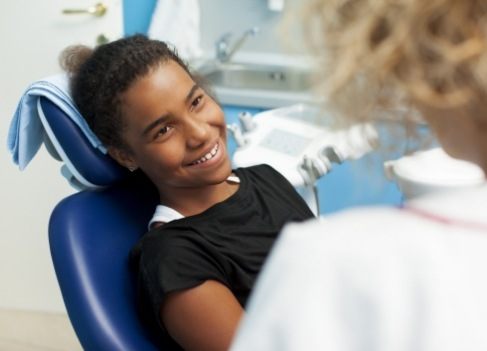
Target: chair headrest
<point>84,166</point>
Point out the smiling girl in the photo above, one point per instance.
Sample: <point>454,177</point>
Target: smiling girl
<point>214,226</point>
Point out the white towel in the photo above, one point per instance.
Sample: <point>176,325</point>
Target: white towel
<point>178,22</point>
<point>275,5</point>
<point>26,132</point>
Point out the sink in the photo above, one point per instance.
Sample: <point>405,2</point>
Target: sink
<point>258,85</point>
<point>260,77</point>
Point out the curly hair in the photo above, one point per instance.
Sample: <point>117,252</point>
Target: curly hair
<point>99,77</point>
<point>384,53</point>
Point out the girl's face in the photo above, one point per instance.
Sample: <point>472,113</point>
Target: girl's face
<point>174,131</point>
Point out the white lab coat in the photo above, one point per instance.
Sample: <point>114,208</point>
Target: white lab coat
<point>376,279</point>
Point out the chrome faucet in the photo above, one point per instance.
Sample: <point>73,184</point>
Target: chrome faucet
<point>225,51</point>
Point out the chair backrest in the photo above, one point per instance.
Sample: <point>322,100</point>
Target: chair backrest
<point>91,234</point>
<point>89,167</point>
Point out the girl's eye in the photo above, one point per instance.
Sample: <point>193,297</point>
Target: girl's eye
<point>196,102</point>
<point>163,131</point>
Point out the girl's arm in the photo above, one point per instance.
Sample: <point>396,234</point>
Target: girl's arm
<point>202,318</point>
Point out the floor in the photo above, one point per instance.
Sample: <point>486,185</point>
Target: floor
<point>36,331</point>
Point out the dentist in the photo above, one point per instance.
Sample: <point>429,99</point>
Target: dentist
<point>382,278</point>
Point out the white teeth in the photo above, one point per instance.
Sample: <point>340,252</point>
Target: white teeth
<point>208,156</point>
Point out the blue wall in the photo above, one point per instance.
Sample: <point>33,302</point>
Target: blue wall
<point>137,15</point>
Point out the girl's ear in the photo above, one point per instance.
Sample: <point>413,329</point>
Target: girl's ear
<point>123,157</point>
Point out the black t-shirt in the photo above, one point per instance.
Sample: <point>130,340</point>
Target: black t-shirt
<point>228,242</point>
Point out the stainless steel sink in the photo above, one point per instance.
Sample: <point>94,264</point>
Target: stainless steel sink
<point>260,77</point>
<point>258,85</point>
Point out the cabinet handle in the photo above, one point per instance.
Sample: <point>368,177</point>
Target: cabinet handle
<point>96,10</point>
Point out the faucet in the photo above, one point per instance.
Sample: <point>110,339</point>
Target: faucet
<point>224,51</point>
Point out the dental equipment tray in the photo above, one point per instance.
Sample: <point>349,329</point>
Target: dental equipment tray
<point>299,142</point>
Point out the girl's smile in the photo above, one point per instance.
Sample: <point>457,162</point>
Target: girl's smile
<point>210,158</point>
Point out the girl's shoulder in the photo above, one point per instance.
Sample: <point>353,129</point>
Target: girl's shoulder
<point>164,241</point>
<point>262,173</point>
<point>262,168</point>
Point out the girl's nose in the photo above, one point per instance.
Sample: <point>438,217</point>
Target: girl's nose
<point>197,132</point>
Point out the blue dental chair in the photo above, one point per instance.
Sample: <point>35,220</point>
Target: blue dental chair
<point>91,234</point>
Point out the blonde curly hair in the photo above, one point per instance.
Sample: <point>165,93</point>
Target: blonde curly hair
<point>383,53</point>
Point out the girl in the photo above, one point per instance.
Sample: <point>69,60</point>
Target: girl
<point>214,226</point>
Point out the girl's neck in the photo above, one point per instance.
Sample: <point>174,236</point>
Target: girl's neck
<point>192,201</point>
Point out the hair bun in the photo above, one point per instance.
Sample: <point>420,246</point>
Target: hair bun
<point>73,57</point>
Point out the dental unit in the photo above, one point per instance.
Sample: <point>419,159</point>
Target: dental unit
<point>294,141</point>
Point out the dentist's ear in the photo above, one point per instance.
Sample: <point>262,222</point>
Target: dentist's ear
<point>123,158</point>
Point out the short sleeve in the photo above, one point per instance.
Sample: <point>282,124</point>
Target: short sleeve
<point>171,262</point>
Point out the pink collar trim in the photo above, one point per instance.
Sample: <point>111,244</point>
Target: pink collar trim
<point>445,220</point>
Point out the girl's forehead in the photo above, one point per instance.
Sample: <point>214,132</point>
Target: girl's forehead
<point>168,74</point>
<point>160,91</point>
<point>166,78</point>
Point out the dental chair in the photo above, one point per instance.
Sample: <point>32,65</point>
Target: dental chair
<point>91,234</point>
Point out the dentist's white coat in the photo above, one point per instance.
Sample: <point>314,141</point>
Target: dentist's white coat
<point>377,279</point>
